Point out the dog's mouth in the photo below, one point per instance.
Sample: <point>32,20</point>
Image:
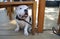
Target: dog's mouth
<point>24,16</point>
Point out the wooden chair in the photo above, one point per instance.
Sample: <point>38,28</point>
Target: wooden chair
<point>41,9</point>
<point>12,4</point>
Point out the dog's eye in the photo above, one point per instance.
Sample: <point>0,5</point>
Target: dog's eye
<point>20,8</point>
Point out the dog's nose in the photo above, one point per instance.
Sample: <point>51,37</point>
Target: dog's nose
<point>26,10</point>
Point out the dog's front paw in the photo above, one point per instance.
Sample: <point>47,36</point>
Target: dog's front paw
<point>26,33</point>
<point>16,30</point>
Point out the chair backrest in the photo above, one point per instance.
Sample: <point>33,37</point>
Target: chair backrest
<point>14,0</point>
<point>23,0</point>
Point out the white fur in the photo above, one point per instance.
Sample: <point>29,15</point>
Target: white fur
<point>21,11</point>
<point>22,23</point>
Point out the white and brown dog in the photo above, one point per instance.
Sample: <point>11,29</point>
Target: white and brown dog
<point>21,15</point>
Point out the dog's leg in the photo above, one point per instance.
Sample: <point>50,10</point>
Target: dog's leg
<point>26,30</point>
<point>17,28</point>
<point>26,27</point>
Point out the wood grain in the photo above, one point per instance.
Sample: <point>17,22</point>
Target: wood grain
<point>41,11</point>
<point>34,17</point>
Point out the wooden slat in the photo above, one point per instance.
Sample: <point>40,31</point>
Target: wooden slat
<point>9,12</point>
<point>41,11</point>
<point>59,16</point>
<point>59,20</point>
<point>34,18</point>
<point>16,3</point>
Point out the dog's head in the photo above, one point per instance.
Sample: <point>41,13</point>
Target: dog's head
<point>22,11</point>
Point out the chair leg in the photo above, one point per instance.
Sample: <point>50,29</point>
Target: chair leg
<point>9,12</point>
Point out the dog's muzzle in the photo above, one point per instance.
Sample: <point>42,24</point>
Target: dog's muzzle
<point>26,14</point>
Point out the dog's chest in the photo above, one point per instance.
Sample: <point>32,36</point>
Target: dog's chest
<point>21,23</point>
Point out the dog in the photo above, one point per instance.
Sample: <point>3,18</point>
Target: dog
<point>21,15</point>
